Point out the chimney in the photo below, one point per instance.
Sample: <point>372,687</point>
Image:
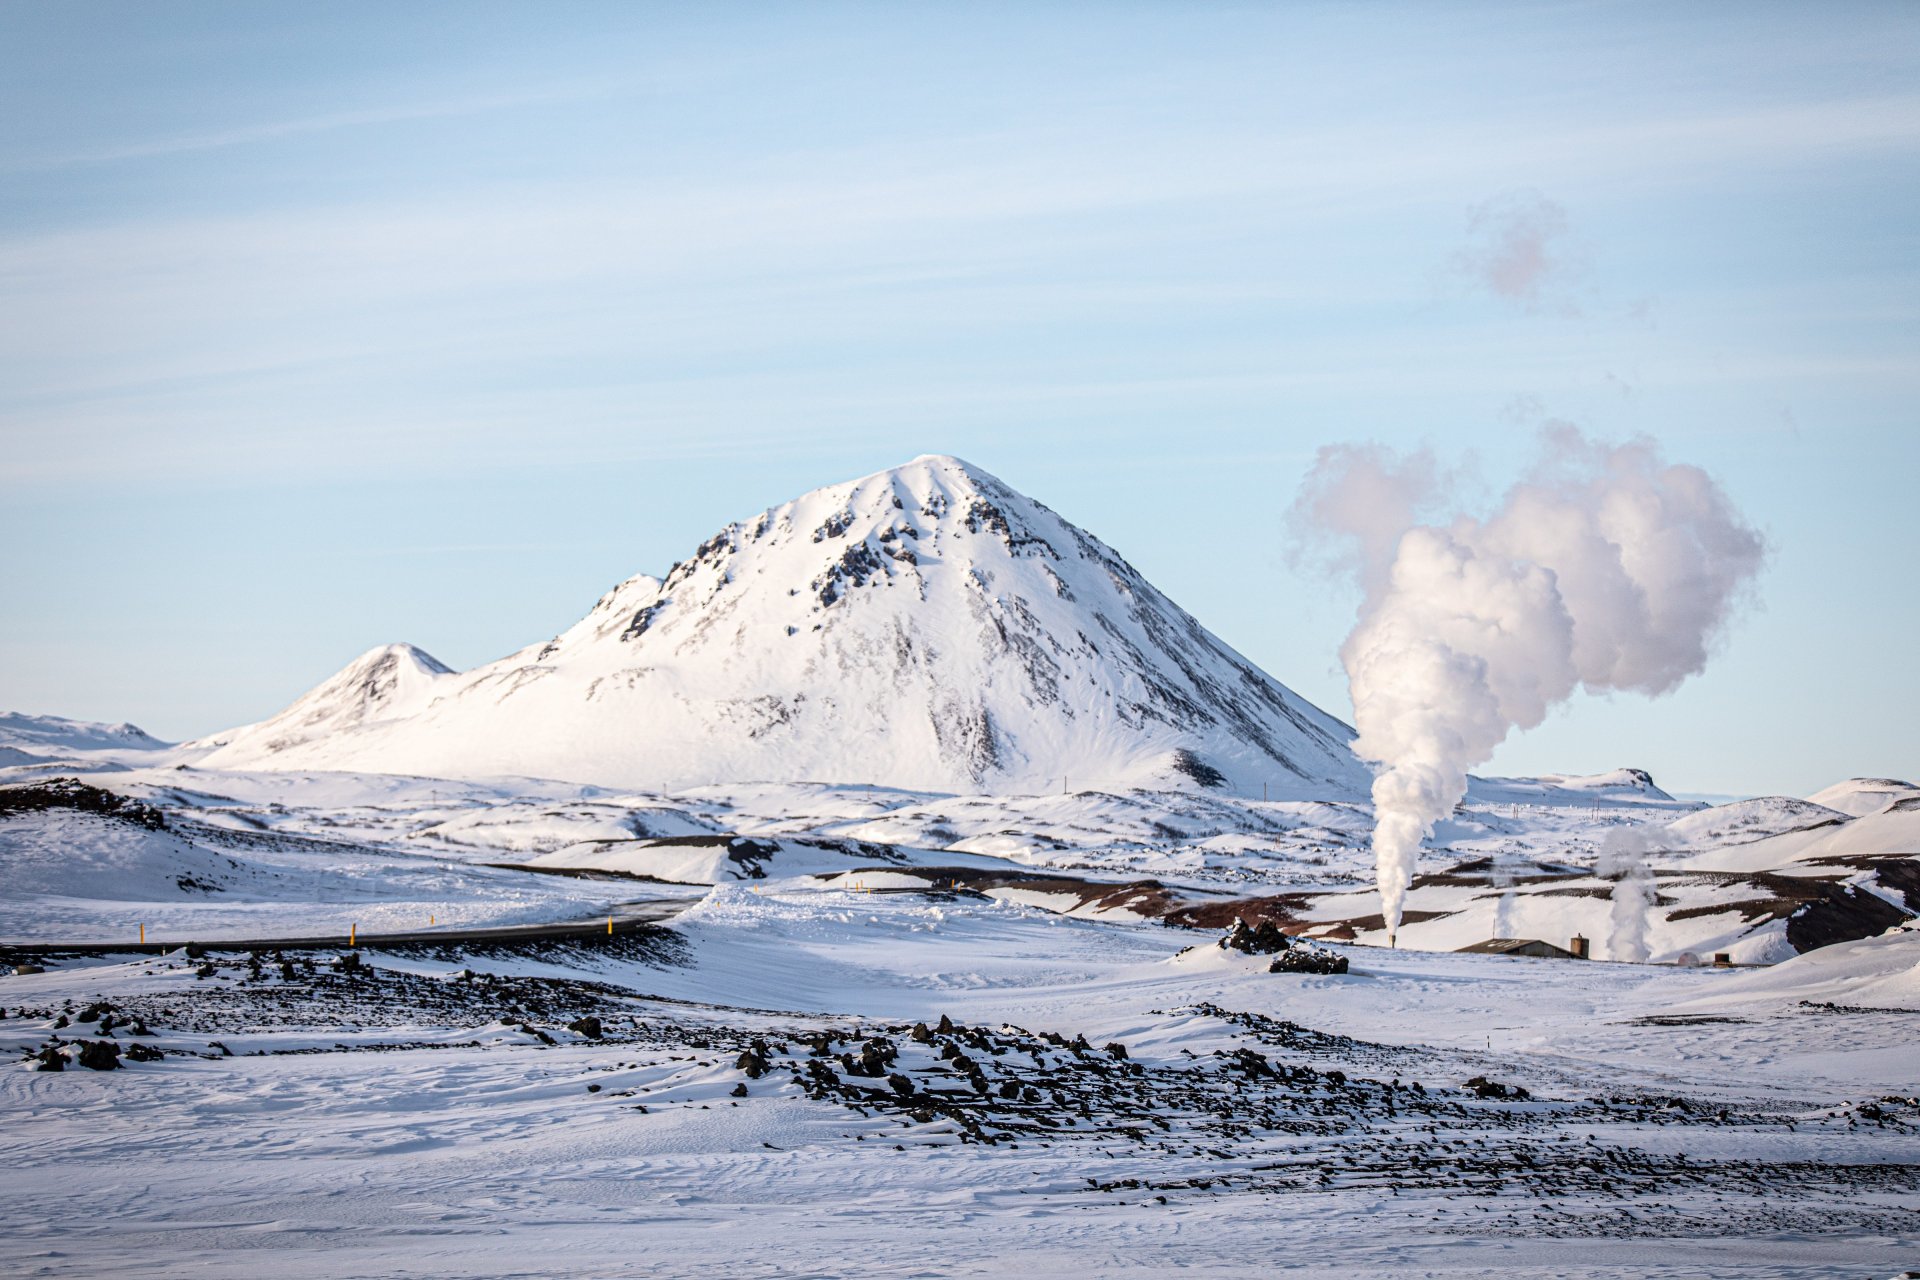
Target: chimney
<point>1578,946</point>
<point>1722,960</point>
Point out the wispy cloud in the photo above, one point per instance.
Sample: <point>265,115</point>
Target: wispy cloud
<point>1517,250</point>
<point>278,130</point>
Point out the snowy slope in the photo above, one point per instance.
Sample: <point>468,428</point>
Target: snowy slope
<point>924,627</point>
<point>1744,821</point>
<point>66,854</point>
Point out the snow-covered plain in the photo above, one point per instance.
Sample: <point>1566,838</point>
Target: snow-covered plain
<point>1679,1122</point>
<point>412,1118</point>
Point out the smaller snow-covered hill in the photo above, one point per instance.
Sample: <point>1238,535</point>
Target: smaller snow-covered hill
<point>1862,796</point>
<point>44,744</point>
<point>384,684</point>
<point>1616,787</point>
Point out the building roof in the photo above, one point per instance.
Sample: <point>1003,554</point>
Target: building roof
<point>1520,947</point>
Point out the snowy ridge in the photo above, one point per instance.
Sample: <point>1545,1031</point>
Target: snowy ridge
<point>924,627</point>
<point>41,735</point>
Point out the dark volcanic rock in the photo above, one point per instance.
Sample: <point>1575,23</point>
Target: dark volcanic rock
<point>1264,939</point>
<point>588,1026</point>
<point>50,1059</point>
<point>1485,1088</point>
<point>99,1055</point>
<point>1308,960</point>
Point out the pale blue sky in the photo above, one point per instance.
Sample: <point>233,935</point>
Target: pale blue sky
<point>323,326</point>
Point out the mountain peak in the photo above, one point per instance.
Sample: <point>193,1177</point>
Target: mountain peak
<point>926,626</point>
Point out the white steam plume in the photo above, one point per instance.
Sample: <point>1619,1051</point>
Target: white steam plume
<point>1622,859</point>
<point>1604,569</point>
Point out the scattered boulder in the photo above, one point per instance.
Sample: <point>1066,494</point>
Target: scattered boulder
<point>99,1055</point>
<point>588,1026</point>
<point>1116,1050</point>
<point>876,1055</point>
<point>920,1034</point>
<point>1485,1088</point>
<point>1308,959</point>
<point>62,1022</point>
<point>93,1012</point>
<point>945,1026</point>
<point>739,1090</point>
<point>900,1085</point>
<point>347,963</point>
<point>204,971</point>
<point>143,1053</point>
<point>753,1063</point>
<point>50,1059</point>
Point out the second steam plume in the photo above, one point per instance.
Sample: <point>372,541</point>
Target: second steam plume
<point>1605,568</point>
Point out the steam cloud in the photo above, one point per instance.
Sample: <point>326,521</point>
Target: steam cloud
<point>1623,860</point>
<point>1604,569</point>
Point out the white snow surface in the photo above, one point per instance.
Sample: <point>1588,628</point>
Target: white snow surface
<point>925,627</point>
<point>475,1150</point>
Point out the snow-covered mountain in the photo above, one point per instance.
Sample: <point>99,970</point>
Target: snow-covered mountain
<point>923,627</point>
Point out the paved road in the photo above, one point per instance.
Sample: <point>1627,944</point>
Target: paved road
<point>629,918</point>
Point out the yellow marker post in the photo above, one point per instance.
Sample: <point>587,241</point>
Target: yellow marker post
<point>609,926</point>
<point>143,935</point>
<point>353,932</point>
